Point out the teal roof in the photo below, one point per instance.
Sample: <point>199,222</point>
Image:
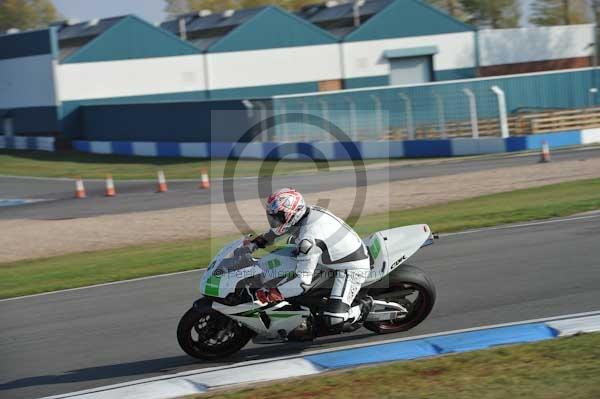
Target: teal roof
<point>272,28</point>
<point>407,18</point>
<point>131,38</point>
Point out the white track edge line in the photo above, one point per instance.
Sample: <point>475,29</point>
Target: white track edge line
<point>133,280</point>
<point>514,226</point>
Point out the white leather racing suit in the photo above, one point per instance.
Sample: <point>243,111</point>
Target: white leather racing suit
<point>326,240</point>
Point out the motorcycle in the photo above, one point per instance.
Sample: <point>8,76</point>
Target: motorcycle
<point>228,315</point>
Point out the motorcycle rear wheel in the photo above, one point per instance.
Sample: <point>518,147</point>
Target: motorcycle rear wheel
<point>419,299</point>
<point>209,335</point>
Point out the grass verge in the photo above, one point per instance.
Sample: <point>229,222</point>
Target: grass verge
<point>561,368</point>
<point>77,270</point>
<point>71,164</point>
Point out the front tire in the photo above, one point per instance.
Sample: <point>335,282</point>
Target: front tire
<point>207,334</point>
<point>411,287</point>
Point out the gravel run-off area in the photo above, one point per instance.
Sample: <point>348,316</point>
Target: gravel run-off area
<point>42,238</point>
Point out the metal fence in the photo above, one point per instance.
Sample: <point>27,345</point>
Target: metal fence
<point>471,108</point>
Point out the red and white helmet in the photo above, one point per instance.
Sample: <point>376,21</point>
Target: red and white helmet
<point>284,209</point>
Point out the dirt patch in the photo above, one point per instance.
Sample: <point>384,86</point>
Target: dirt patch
<point>33,238</point>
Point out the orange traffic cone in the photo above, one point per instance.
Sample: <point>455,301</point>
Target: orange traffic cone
<point>162,182</point>
<point>110,187</point>
<point>545,155</point>
<point>79,189</point>
<point>204,182</point>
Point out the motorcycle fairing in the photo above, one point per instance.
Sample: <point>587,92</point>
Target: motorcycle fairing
<point>266,320</point>
<point>388,250</point>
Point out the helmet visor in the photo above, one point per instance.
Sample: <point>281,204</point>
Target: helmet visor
<point>276,219</point>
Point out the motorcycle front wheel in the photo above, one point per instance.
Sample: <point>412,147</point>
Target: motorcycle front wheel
<point>209,334</point>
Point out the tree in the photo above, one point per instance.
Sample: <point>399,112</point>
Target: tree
<point>559,12</point>
<point>454,8</point>
<point>177,7</point>
<point>495,14</point>
<point>26,14</point>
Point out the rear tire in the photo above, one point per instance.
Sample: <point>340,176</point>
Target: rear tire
<point>419,299</point>
<point>207,334</point>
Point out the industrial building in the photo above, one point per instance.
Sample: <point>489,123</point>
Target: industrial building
<point>50,77</point>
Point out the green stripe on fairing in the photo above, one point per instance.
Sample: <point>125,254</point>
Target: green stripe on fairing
<point>273,263</point>
<point>283,315</point>
<point>375,248</point>
<point>250,313</point>
<point>212,286</point>
<point>272,315</point>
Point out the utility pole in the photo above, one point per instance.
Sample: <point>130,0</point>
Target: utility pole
<point>356,11</point>
<point>566,12</point>
<point>595,4</point>
<point>182,29</point>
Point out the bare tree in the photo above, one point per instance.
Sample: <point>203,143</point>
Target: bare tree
<point>454,8</point>
<point>493,13</point>
<point>559,12</point>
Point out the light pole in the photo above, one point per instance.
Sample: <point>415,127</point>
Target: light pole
<point>592,96</point>
<point>410,124</point>
<point>502,111</point>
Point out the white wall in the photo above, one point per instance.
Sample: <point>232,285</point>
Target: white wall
<point>138,77</point>
<point>27,82</point>
<point>365,58</point>
<point>512,46</point>
<point>274,66</point>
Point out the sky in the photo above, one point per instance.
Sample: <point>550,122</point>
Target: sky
<point>151,10</point>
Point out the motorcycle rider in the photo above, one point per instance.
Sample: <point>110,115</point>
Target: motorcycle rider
<point>322,239</point>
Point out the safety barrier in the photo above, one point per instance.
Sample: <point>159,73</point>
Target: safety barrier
<point>201,381</point>
<point>27,143</point>
<point>343,150</point>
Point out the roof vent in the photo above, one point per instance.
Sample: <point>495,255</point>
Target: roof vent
<point>72,21</point>
<point>228,13</point>
<point>12,31</point>
<point>204,13</point>
<point>331,3</point>
<point>93,22</point>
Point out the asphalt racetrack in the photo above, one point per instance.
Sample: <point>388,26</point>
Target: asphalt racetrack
<point>137,196</point>
<point>74,340</point>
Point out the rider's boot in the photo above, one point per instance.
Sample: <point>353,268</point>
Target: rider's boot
<point>358,314</point>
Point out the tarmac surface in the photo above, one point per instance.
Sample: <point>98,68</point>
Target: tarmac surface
<point>68,341</point>
<point>138,196</point>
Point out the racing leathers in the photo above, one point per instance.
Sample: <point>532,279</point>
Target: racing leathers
<point>324,239</point>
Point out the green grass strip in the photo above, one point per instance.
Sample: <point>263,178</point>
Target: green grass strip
<point>77,270</point>
<point>70,164</point>
<point>561,368</point>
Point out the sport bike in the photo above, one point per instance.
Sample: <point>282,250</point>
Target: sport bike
<point>228,315</point>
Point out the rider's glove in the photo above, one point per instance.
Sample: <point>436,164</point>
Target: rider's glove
<point>260,241</point>
<point>249,245</point>
<point>269,295</point>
